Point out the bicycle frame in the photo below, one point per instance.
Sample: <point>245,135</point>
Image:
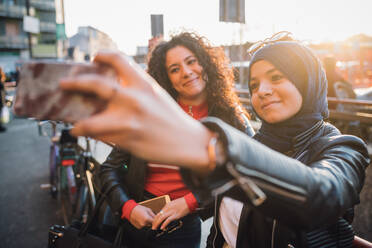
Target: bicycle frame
<point>86,189</point>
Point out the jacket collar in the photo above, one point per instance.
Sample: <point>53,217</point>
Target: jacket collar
<point>304,137</point>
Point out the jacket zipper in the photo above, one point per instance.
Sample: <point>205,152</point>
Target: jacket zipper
<point>263,181</point>
<point>250,186</point>
<point>256,195</point>
<point>273,234</point>
<point>215,222</point>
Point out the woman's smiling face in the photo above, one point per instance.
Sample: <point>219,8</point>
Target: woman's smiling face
<point>274,97</point>
<point>185,73</point>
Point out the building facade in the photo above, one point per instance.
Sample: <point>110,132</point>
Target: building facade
<point>15,43</point>
<point>87,42</point>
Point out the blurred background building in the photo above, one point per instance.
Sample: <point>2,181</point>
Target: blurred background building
<point>30,29</point>
<point>35,29</point>
<point>87,42</point>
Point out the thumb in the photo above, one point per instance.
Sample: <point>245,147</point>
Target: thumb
<point>151,213</point>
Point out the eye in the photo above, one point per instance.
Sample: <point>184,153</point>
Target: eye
<point>191,61</point>
<point>276,77</point>
<point>174,70</point>
<point>254,86</point>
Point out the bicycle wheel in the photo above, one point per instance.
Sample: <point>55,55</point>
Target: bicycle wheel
<point>67,193</point>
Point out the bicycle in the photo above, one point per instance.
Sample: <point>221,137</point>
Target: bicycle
<point>62,161</point>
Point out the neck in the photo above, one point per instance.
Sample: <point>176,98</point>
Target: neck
<point>193,101</point>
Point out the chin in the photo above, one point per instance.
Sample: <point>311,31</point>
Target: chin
<point>195,93</point>
<point>273,119</point>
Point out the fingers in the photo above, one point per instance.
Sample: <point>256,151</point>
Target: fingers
<point>163,218</point>
<point>141,217</point>
<point>149,219</point>
<point>93,84</point>
<point>159,218</point>
<point>151,214</point>
<point>96,127</point>
<point>166,222</point>
<point>123,65</point>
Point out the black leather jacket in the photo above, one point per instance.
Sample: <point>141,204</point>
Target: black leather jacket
<point>287,201</point>
<point>129,172</point>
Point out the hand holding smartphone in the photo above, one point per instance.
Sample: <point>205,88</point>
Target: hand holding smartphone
<point>156,204</point>
<point>39,95</point>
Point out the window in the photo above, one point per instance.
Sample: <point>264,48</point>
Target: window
<point>12,28</point>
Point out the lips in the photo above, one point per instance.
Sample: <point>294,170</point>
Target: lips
<point>190,82</point>
<point>268,104</point>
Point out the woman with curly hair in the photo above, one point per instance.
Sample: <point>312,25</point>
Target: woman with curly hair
<point>199,78</point>
<point>217,77</point>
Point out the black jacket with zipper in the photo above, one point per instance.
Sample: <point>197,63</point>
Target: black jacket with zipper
<point>130,173</point>
<point>304,200</point>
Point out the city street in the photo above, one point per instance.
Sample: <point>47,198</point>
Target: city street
<point>26,209</point>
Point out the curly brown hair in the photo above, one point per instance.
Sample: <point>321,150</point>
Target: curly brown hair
<point>221,98</point>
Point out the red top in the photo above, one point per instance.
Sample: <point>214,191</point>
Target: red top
<point>166,179</point>
<point>198,112</point>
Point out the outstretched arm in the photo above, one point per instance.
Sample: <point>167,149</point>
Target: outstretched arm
<point>141,117</point>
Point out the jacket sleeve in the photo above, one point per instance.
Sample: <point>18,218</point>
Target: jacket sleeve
<point>111,176</point>
<point>281,187</point>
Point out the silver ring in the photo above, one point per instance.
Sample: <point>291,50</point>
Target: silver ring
<point>161,212</point>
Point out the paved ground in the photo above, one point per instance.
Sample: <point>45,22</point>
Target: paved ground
<point>26,210</point>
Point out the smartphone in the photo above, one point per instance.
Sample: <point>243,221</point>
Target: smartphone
<point>39,95</point>
<point>156,204</point>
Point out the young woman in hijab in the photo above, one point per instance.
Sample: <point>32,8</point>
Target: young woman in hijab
<point>288,88</point>
<point>300,181</point>
<point>198,77</point>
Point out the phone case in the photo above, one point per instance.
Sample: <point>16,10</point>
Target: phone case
<point>39,95</point>
<point>156,204</point>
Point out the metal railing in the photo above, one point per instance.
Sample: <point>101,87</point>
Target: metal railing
<point>48,27</point>
<point>42,4</point>
<point>15,11</point>
<point>7,41</point>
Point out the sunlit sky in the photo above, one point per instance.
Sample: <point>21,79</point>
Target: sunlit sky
<point>128,22</point>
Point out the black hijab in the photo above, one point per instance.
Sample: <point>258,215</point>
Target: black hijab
<point>304,70</point>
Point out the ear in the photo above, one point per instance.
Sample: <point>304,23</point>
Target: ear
<point>205,77</point>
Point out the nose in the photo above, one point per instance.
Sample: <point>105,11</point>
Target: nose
<point>265,89</point>
<point>186,71</point>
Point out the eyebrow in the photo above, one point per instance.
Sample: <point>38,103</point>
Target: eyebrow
<point>175,64</point>
<point>267,73</point>
<point>271,71</point>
